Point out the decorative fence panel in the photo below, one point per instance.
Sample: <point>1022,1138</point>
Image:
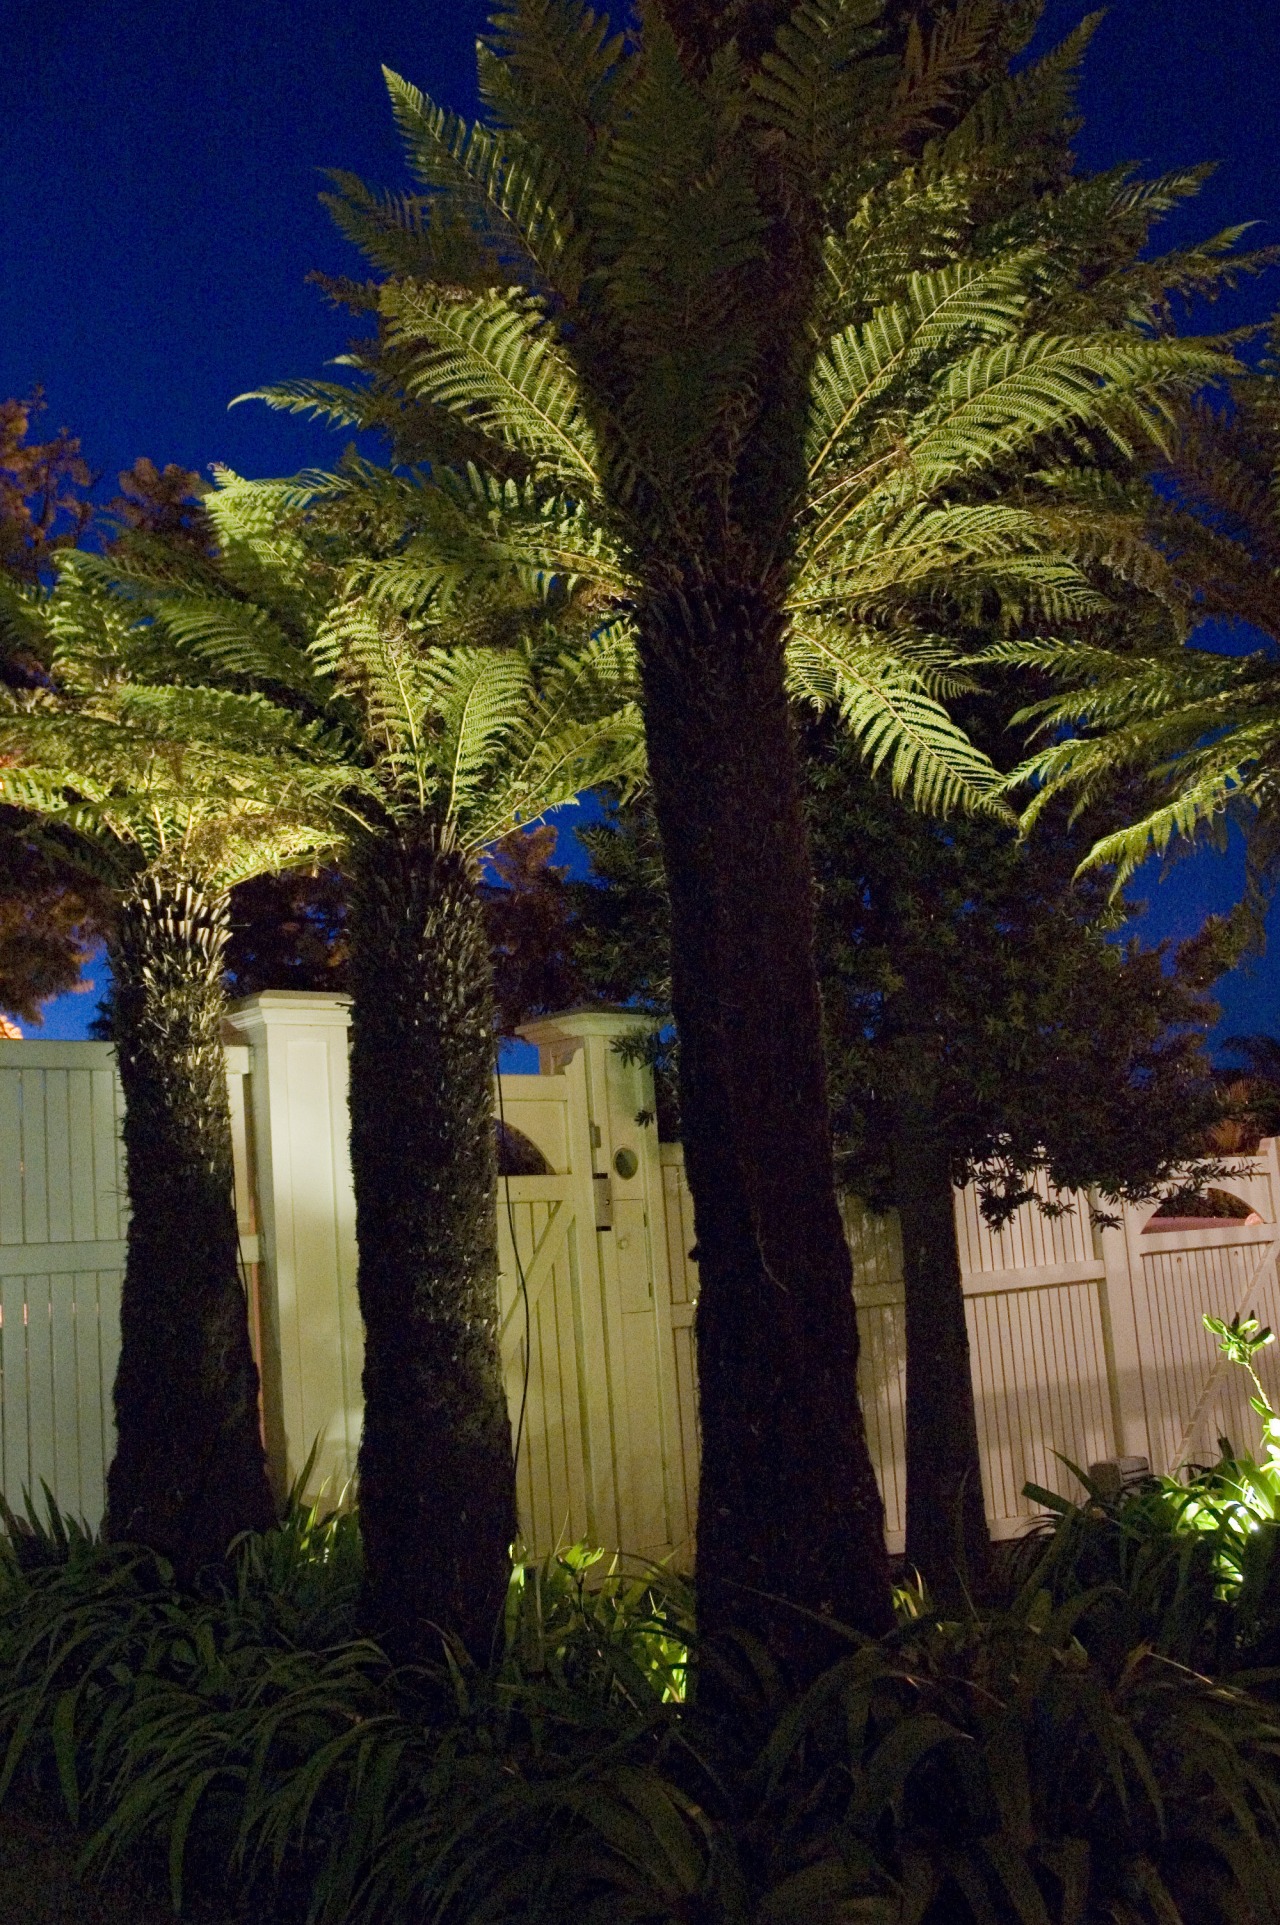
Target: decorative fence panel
<point>61,1258</point>
<point>1085,1342</point>
<point>62,1225</point>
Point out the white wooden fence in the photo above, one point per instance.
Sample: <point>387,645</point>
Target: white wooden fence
<point>1085,1344</point>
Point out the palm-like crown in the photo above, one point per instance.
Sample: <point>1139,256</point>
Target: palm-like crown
<point>135,767</point>
<point>569,337</point>
<point>255,705</point>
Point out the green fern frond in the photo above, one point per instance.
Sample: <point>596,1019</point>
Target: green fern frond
<point>415,235</point>
<point>882,700</point>
<point>860,363</point>
<point>814,86</point>
<point>514,204</point>
<point>549,72</point>
<point>327,401</point>
<point>494,362</point>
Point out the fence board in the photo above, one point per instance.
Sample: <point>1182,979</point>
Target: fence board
<point>90,1389</point>
<point>42,1416</point>
<point>14,1413</point>
<point>66,1391</point>
<point>35,1194</point>
<point>61,1260</point>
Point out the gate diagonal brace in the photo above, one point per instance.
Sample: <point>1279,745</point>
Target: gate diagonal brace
<point>542,1262</point>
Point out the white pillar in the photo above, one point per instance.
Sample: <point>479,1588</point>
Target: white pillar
<point>312,1338</point>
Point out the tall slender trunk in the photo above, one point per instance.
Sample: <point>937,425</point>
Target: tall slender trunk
<point>437,1482</point>
<point>947,1537</point>
<point>790,1522</point>
<point>189,1471</point>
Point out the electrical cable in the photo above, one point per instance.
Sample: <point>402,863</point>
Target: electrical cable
<point>515,1251</point>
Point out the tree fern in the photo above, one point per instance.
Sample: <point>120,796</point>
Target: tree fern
<point>830,317</point>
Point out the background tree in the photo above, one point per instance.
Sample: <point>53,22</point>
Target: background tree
<point>1251,1091</point>
<point>289,931</point>
<point>51,921</point>
<point>53,916</point>
<point>987,1025</point>
<point>528,913</point>
<point>44,505</point>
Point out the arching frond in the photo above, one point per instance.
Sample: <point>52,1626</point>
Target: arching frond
<point>510,197</point>
<point>884,701</point>
<point>549,72</point>
<point>861,362</point>
<point>812,86</point>
<point>494,362</point>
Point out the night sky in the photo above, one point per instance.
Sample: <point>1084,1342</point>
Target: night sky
<point>159,172</point>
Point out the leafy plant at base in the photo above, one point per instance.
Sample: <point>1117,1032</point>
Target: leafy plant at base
<point>1008,1768</point>
<point>1192,1565</point>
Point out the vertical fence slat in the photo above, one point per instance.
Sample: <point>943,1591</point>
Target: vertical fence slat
<point>42,1422</point>
<point>14,1414</point>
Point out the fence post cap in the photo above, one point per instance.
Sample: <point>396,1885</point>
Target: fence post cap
<point>272,1008</point>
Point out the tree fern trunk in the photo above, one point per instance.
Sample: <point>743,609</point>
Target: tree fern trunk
<point>947,1537</point>
<point>189,1470</point>
<point>437,1482</point>
<point>790,1521</point>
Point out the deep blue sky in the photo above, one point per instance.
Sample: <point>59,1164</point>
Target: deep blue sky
<point>159,167</point>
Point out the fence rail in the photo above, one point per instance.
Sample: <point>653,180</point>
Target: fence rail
<point>1085,1342</point>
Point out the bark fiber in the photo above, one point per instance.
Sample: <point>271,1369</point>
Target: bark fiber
<point>790,1522</point>
<point>437,1482</point>
<point>189,1470</point>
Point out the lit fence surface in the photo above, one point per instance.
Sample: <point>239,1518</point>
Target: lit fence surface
<point>1085,1343</point>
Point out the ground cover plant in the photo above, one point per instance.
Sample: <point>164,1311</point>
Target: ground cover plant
<point>238,1744</point>
<point>1191,1562</point>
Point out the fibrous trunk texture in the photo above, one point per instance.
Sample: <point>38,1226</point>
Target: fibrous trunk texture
<point>437,1482</point>
<point>189,1471</point>
<point>947,1536</point>
<point>790,1522</point>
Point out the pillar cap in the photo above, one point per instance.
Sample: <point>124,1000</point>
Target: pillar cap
<point>315,1008</point>
<point>582,1021</point>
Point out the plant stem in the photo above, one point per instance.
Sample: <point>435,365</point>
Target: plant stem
<point>947,1536</point>
<point>189,1471</point>
<point>790,1522</point>
<point>437,1482</point>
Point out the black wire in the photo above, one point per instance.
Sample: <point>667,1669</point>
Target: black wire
<point>515,1251</point>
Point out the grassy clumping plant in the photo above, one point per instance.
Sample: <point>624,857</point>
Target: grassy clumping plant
<point>1020,1766</point>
